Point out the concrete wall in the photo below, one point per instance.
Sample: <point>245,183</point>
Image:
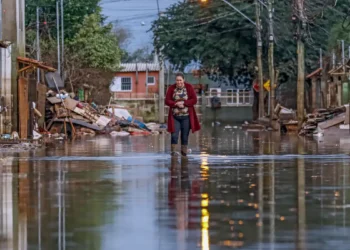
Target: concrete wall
<point>13,30</point>
<point>228,115</point>
<point>6,89</point>
<point>147,109</point>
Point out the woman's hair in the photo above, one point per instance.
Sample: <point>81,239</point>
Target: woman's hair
<point>180,74</point>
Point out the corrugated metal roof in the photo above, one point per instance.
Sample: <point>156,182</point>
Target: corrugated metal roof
<point>131,67</point>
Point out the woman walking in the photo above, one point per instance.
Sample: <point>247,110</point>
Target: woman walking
<point>182,117</point>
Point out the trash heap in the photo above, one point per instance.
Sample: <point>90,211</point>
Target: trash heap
<point>322,119</point>
<point>68,116</point>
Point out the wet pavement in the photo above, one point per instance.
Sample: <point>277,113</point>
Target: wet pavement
<point>236,190</point>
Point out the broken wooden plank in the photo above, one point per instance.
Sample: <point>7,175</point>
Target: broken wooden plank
<point>70,103</point>
<point>332,122</point>
<point>36,63</point>
<point>24,109</point>
<point>54,100</point>
<point>41,102</point>
<point>82,123</point>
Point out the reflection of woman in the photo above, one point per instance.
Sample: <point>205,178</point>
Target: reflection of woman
<point>182,117</point>
<point>183,195</point>
<point>178,193</point>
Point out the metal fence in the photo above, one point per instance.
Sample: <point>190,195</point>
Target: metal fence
<point>134,96</point>
<point>235,98</point>
<point>230,99</point>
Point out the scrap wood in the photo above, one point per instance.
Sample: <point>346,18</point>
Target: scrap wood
<point>323,119</point>
<point>332,122</point>
<point>82,123</point>
<point>54,100</point>
<point>103,121</point>
<point>78,117</point>
<point>35,63</point>
<point>60,111</point>
<point>37,112</point>
<point>70,103</point>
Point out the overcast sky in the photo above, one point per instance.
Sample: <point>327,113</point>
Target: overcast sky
<point>131,14</point>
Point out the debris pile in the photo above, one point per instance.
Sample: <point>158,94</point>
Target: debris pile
<point>323,119</point>
<point>66,116</point>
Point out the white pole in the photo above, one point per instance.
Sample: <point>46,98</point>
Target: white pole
<point>62,38</point>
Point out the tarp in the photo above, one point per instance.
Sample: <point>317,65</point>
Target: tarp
<point>116,84</point>
<point>51,83</point>
<point>121,113</point>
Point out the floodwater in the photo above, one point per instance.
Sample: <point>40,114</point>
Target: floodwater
<point>243,190</point>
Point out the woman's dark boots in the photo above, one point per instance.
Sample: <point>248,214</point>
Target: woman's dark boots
<point>184,150</point>
<point>173,150</point>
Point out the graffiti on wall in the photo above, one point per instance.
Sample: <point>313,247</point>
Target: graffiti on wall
<point>242,81</point>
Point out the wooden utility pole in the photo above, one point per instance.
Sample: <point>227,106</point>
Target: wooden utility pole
<point>271,62</point>
<point>38,40</point>
<point>146,79</point>
<point>301,63</point>
<point>259,60</point>
<point>161,90</point>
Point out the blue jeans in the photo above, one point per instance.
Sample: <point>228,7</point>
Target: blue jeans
<point>183,125</point>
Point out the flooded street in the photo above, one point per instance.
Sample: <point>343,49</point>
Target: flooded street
<point>236,190</point>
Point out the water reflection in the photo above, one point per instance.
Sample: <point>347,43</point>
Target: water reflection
<point>301,199</point>
<point>206,202</point>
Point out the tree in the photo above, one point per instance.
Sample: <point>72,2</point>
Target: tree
<point>215,35</point>
<point>95,45</point>
<point>74,14</point>
<point>123,35</point>
<point>92,49</point>
<point>223,41</point>
<point>139,55</point>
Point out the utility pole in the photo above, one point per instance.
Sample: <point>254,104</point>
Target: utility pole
<point>146,79</point>
<point>58,37</point>
<point>271,62</point>
<point>301,63</point>
<point>161,90</point>
<point>259,60</point>
<point>62,38</point>
<point>38,40</point>
<point>340,82</point>
<point>158,7</point>
<point>343,54</point>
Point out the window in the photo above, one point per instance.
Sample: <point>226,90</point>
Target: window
<point>229,96</point>
<point>215,92</point>
<point>126,84</point>
<point>151,80</point>
<point>241,94</point>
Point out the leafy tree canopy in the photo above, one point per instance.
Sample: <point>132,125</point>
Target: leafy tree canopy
<point>95,45</point>
<point>139,55</point>
<point>223,40</point>
<point>74,14</point>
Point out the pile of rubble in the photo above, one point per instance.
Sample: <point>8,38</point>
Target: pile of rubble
<point>323,119</point>
<point>13,142</point>
<point>66,116</point>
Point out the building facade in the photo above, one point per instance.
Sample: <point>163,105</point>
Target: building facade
<point>136,80</point>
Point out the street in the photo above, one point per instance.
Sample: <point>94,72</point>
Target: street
<point>239,189</point>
